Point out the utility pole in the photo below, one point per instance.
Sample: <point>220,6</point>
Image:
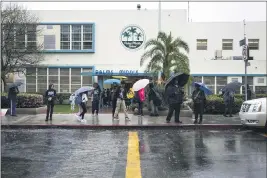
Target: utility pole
<point>159,18</point>
<point>246,62</point>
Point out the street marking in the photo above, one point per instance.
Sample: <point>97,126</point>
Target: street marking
<point>133,167</point>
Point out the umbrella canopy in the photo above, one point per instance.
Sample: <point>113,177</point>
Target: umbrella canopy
<point>119,77</point>
<point>83,89</point>
<point>142,83</point>
<point>181,77</point>
<point>233,86</point>
<point>15,84</point>
<point>111,81</point>
<point>204,88</point>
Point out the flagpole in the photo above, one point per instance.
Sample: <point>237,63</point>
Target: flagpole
<point>159,18</point>
<point>188,13</point>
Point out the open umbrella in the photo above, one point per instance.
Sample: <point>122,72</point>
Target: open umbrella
<point>181,77</point>
<point>111,81</point>
<point>142,83</point>
<point>15,84</point>
<point>233,86</point>
<point>204,88</point>
<point>83,89</point>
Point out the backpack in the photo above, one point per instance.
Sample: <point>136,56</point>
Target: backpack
<point>78,99</point>
<point>136,97</point>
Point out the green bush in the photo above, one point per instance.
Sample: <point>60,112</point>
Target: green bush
<point>215,105</point>
<point>24,100</point>
<point>59,98</point>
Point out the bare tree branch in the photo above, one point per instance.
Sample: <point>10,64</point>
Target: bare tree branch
<point>19,44</point>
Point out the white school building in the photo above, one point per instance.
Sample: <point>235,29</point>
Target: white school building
<point>85,46</point>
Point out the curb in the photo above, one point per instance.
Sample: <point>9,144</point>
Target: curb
<point>117,127</point>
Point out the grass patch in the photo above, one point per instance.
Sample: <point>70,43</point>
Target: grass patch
<point>64,109</point>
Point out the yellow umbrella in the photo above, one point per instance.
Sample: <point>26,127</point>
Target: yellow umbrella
<point>120,77</point>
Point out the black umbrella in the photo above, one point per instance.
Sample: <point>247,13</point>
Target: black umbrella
<point>233,86</point>
<point>15,84</point>
<point>181,77</point>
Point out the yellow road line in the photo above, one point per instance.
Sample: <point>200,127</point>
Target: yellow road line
<point>133,167</point>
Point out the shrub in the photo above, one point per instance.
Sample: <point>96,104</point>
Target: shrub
<point>59,98</point>
<point>24,100</point>
<point>215,105</point>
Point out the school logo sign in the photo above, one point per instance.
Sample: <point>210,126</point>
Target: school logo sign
<point>132,37</point>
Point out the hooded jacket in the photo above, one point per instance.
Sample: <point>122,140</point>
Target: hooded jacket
<point>174,95</point>
<point>50,94</point>
<point>12,93</point>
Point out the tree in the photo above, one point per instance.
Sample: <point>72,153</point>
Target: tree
<point>166,55</point>
<point>19,46</point>
<point>132,30</point>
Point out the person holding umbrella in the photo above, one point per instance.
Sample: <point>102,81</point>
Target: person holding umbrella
<point>174,97</point>
<point>113,98</point>
<point>84,99</point>
<point>12,96</point>
<point>154,100</point>
<point>228,97</point>
<point>199,100</point>
<point>50,95</point>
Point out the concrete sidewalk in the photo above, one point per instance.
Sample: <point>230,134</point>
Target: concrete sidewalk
<point>106,121</point>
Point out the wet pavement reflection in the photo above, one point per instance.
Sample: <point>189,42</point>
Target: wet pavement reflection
<point>56,153</point>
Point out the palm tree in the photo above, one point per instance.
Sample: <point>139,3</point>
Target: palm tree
<point>166,55</point>
<point>138,36</point>
<point>126,34</point>
<point>132,30</point>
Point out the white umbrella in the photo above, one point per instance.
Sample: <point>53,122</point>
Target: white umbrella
<point>142,83</point>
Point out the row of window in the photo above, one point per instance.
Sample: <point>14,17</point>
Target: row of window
<point>65,80</point>
<point>227,44</point>
<point>215,85</point>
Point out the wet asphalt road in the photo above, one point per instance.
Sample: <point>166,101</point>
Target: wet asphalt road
<point>103,154</point>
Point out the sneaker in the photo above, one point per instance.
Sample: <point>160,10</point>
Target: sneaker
<point>116,118</point>
<point>79,118</point>
<point>83,121</point>
<point>200,122</point>
<point>46,120</point>
<point>195,122</point>
<point>127,118</point>
<point>178,122</point>
<point>168,121</point>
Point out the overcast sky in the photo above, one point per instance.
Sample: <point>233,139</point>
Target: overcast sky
<point>199,11</point>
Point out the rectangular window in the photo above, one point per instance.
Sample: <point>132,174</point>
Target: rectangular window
<point>49,27</point>
<point>64,80</point>
<point>76,37</point>
<point>31,80</point>
<point>220,83</point>
<point>65,37</point>
<point>75,79</point>
<point>31,37</point>
<point>41,80</point>
<point>253,44</point>
<point>88,36</point>
<point>49,42</point>
<point>53,77</point>
<point>260,89</point>
<point>234,79</point>
<point>260,80</point>
<point>202,44</point>
<point>227,44</point>
<point>250,80</point>
<point>210,83</point>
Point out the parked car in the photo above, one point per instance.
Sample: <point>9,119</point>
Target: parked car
<point>253,113</point>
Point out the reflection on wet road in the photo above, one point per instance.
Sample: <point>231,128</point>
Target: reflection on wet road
<point>120,154</point>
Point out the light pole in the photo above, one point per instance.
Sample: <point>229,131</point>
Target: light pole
<point>159,18</point>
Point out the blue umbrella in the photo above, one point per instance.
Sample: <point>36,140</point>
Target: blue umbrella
<point>82,90</point>
<point>15,84</point>
<point>111,81</point>
<point>233,86</point>
<point>204,88</point>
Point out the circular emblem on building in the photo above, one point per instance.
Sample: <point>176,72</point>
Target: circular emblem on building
<point>132,37</point>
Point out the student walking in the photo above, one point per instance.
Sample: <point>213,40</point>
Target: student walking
<point>50,95</point>
<point>95,99</point>
<point>120,94</point>
<point>199,100</point>
<point>84,99</point>
<point>228,97</point>
<point>113,98</point>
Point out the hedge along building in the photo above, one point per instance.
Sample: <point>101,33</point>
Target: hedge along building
<point>86,46</point>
